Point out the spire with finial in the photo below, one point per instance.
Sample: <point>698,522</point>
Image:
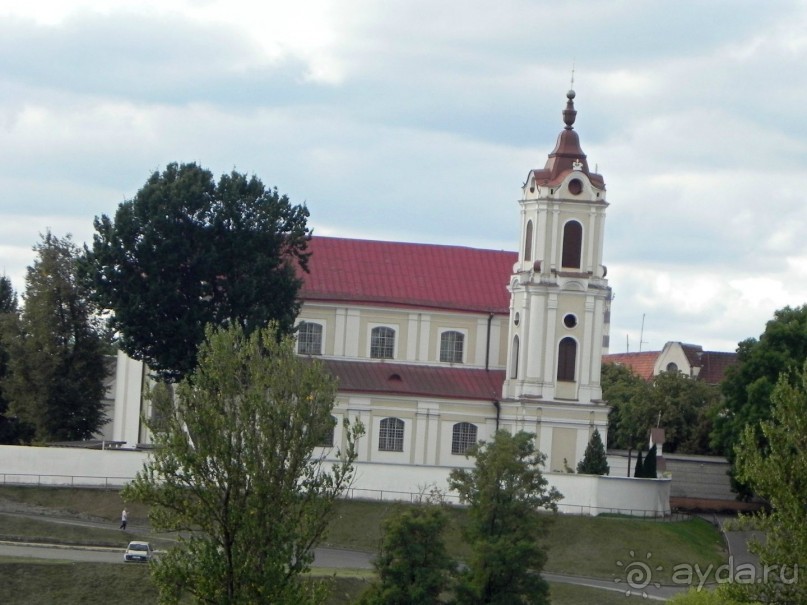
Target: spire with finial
<point>569,113</point>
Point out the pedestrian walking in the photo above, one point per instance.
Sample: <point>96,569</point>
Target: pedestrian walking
<point>124,518</point>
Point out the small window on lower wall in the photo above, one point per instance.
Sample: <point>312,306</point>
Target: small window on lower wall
<point>391,435</point>
<point>463,437</point>
<point>326,440</point>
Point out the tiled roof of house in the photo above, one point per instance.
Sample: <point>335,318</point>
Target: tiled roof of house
<point>641,363</point>
<point>714,365</point>
<point>411,275</point>
<point>413,380</point>
<point>692,353</point>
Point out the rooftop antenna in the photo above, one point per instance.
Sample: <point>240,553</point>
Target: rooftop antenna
<point>641,335</point>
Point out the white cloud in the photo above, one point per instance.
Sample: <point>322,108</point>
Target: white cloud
<point>418,121</point>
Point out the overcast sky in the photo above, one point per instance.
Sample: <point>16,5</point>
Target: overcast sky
<point>419,120</point>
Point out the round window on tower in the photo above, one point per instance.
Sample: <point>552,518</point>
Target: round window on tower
<point>516,318</point>
<point>575,186</point>
<point>570,320</point>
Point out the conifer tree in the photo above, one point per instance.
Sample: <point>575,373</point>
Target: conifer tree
<point>638,471</point>
<point>649,468</point>
<point>12,431</point>
<point>595,461</point>
<point>56,355</point>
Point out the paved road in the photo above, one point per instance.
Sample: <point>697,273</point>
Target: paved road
<point>347,559</point>
<point>323,557</point>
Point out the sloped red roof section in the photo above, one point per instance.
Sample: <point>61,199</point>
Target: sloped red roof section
<point>453,278</point>
<point>641,363</point>
<point>416,380</point>
<point>714,365</point>
<point>693,354</point>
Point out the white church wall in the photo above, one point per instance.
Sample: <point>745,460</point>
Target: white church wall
<point>68,466</point>
<point>125,420</point>
<point>583,494</point>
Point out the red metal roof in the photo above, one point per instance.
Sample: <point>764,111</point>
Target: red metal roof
<point>416,380</point>
<point>413,275</point>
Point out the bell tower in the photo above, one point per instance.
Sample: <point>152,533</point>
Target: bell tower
<point>560,298</point>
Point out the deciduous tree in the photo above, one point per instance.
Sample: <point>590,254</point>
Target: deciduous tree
<point>629,419</point>
<point>236,467</point>
<point>56,355</point>
<point>413,566</point>
<point>188,251</point>
<point>747,388</point>
<point>683,406</point>
<point>504,491</point>
<point>778,473</point>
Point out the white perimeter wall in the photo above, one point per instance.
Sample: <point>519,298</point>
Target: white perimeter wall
<point>583,494</point>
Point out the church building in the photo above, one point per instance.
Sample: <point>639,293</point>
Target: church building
<point>437,347</point>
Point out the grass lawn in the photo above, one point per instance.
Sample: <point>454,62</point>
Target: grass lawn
<point>44,583</point>
<point>583,546</point>
<point>588,546</point>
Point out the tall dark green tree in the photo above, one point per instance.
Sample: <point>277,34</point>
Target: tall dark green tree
<point>413,567</point>
<point>595,460</point>
<point>504,491</point>
<point>748,386</point>
<point>188,251</point>
<point>56,356</point>
<point>12,431</point>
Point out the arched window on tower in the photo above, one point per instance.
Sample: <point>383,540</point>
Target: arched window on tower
<point>572,245</point>
<point>514,359</point>
<point>567,358</point>
<point>528,242</point>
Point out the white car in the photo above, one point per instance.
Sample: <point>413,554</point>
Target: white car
<point>138,551</point>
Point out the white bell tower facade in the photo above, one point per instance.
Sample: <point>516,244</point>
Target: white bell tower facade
<point>560,301</point>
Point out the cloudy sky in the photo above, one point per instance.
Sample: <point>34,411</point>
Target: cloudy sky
<point>417,120</point>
